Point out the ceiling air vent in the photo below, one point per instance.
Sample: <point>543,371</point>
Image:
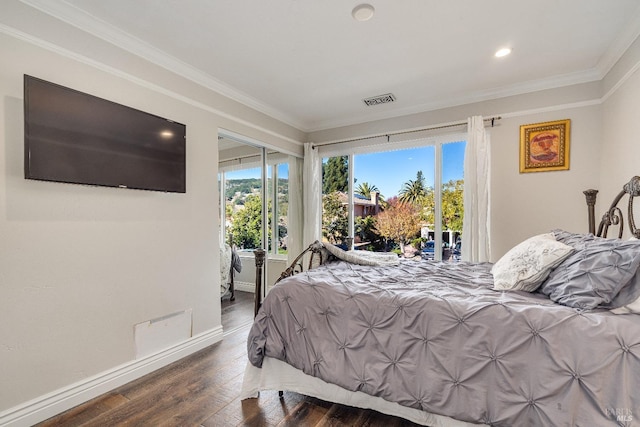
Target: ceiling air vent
<point>380,99</point>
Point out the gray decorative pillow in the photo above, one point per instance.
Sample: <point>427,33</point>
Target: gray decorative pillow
<point>574,240</point>
<point>527,264</point>
<point>595,273</point>
<point>629,292</point>
<point>631,308</point>
<point>627,295</point>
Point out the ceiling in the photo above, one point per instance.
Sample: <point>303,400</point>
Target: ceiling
<point>310,64</point>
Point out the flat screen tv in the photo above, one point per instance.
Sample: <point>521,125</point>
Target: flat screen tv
<point>73,137</point>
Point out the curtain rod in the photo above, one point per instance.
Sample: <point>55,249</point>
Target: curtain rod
<point>247,156</point>
<point>490,119</point>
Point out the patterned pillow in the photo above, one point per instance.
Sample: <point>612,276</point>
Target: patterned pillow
<point>595,273</point>
<point>528,264</point>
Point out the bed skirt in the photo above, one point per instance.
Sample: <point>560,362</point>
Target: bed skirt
<point>278,375</point>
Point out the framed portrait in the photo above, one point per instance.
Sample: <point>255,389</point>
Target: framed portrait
<point>545,146</point>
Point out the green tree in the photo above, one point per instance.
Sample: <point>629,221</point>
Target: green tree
<point>365,189</point>
<point>452,205</point>
<point>365,228</point>
<point>421,196</point>
<point>242,186</point>
<point>335,218</point>
<point>427,207</point>
<point>414,191</point>
<point>246,227</point>
<point>335,175</point>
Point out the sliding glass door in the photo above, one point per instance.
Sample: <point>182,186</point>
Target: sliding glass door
<point>254,206</point>
<point>406,200</point>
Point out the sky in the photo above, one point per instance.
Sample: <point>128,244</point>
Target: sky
<point>389,170</point>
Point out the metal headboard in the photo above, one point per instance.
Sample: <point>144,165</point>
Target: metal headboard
<point>318,256</point>
<point>614,216</point>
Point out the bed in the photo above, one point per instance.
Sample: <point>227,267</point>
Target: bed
<point>230,263</point>
<point>548,335</point>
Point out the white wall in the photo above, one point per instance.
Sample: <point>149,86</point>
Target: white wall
<point>81,265</point>
<point>525,204</point>
<point>522,204</point>
<point>620,158</point>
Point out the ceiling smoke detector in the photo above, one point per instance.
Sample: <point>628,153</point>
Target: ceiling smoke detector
<point>380,99</point>
<point>363,12</point>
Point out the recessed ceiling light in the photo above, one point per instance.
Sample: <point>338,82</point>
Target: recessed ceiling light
<point>363,12</point>
<point>503,52</point>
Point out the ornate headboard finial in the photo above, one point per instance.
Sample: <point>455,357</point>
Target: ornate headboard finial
<point>632,188</point>
<point>591,204</point>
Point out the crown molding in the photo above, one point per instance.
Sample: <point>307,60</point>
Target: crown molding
<point>138,81</point>
<point>586,76</point>
<point>71,15</point>
<point>619,46</point>
<point>98,28</point>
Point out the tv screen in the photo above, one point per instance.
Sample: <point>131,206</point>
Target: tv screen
<point>78,138</point>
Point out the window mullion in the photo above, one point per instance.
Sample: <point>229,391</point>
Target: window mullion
<point>437,196</point>
<point>274,210</point>
<point>351,168</point>
<point>223,208</point>
<point>265,221</point>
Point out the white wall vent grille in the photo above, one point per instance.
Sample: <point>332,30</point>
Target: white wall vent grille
<point>380,99</point>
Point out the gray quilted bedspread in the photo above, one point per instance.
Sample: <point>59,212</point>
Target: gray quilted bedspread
<point>435,337</point>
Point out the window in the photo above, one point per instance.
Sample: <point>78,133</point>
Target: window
<point>243,207</point>
<point>407,200</point>
<point>278,203</point>
<point>335,200</point>
<point>241,191</point>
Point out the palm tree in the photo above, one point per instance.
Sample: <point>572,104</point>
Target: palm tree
<point>414,191</point>
<point>365,189</point>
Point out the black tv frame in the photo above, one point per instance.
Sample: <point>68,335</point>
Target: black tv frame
<point>74,137</point>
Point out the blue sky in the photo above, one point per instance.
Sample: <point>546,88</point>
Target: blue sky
<point>390,170</point>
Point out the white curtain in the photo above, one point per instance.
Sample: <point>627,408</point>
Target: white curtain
<point>295,228</point>
<point>312,195</point>
<point>476,226</point>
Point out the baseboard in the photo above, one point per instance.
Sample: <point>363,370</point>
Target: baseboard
<point>244,286</point>
<point>46,406</point>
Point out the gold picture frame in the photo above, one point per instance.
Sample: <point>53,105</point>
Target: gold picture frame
<point>545,146</point>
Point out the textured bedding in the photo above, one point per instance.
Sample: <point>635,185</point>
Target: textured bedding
<point>436,337</point>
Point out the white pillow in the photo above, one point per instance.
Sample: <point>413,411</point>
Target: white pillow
<point>528,264</point>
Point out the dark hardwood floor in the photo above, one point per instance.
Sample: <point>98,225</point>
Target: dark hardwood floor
<point>237,313</point>
<point>203,390</point>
